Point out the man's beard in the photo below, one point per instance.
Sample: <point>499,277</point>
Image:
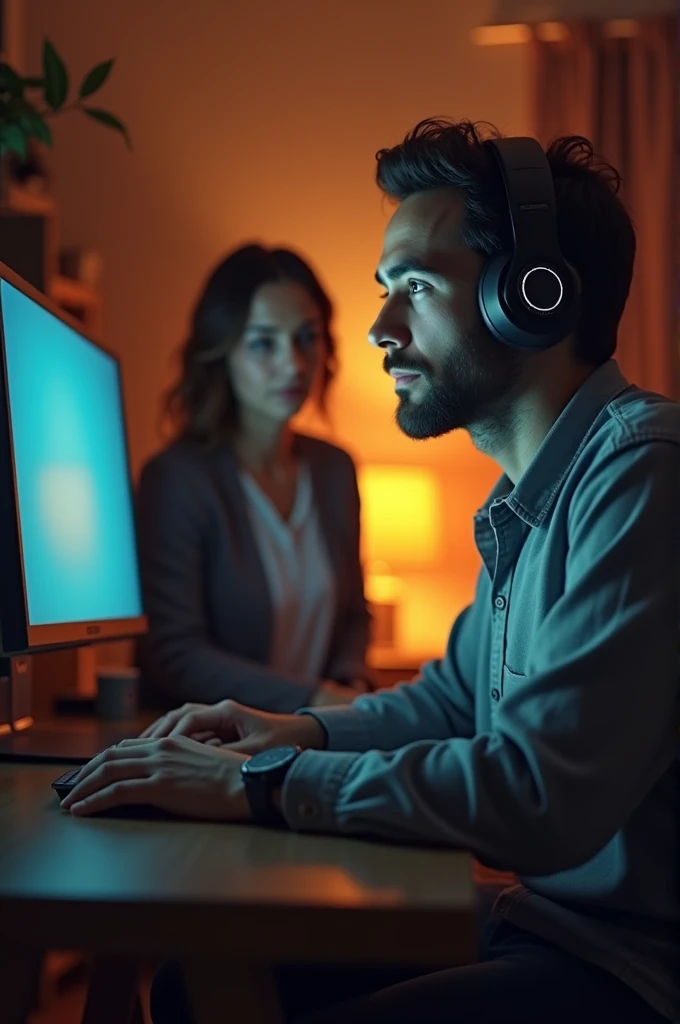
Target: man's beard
<point>468,388</point>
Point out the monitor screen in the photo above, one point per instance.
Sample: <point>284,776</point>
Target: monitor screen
<point>72,488</point>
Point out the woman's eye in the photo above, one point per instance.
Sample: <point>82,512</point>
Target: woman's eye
<point>260,344</point>
<point>383,295</point>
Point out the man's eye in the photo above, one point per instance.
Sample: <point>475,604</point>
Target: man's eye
<point>416,287</point>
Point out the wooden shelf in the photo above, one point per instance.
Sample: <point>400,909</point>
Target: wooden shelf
<point>72,294</point>
<point>30,246</point>
<point>21,200</point>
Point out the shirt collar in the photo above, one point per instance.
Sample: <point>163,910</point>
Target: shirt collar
<point>533,495</point>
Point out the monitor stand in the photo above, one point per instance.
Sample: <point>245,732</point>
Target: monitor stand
<point>16,678</point>
<point>54,742</point>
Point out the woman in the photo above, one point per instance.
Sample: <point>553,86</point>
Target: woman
<point>249,532</point>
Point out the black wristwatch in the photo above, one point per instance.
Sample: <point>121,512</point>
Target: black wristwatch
<point>261,775</point>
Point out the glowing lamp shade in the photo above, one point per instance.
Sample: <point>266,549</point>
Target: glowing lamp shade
<point>401,530</point>
<point>401,517</point>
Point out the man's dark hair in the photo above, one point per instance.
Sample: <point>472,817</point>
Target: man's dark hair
<point>595,231</point>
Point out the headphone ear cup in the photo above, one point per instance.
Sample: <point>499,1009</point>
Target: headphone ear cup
<point>489,291</point>
<point>519,328</point>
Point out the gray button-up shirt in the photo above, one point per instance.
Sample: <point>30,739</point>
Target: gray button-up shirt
<point>546,739</point>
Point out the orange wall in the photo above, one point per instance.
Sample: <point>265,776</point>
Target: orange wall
<point>261,120</point>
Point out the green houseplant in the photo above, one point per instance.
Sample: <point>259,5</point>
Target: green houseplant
<point>28,103</point>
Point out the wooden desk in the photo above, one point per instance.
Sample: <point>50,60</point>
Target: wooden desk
<point>228,901</point>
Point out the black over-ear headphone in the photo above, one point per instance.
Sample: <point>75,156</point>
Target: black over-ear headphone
<point>529,297</point>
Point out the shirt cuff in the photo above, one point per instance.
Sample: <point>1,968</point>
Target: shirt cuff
<point>311,789</point>
<point>346,727</point>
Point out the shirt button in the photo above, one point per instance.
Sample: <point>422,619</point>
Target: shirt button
<point>495,694</point>
<point>500,602</point>
<point>308,810</point>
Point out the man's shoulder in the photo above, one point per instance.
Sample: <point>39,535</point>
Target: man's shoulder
<point>634,444</point>
<point>636,436</point>
<point>635,416</point>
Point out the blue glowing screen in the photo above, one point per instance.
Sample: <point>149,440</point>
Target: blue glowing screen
<point>70,458</point>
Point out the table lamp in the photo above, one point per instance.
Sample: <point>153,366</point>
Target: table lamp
<point>401,531</point>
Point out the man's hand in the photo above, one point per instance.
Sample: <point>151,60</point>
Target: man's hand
<point>242,729</point>
<point>162,726</point>
<point>176,774</point>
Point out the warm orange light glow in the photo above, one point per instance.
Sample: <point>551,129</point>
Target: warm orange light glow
<point>401,524</point>
<point>401,516</point>
<point>381,587</point>
<point>501,35</point>
<point>547,32</point>
<point>22,723</point>
<point>552,31</point>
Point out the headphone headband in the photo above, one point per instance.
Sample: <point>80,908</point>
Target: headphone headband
<point>530,193</point>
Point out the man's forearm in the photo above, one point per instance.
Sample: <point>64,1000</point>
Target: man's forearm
<point>390,719</point>
<point>439,705</point>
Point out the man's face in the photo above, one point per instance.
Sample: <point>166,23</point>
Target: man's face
<point>449,371</point>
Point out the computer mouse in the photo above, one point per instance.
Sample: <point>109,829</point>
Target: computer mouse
<point>66,782</point>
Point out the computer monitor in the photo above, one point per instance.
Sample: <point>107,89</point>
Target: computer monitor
<point>68,552</point>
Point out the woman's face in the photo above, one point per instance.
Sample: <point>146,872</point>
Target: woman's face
<point>282,349</point>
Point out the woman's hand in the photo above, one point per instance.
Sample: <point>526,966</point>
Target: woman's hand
<point>176,774</point>
<point>331,694</point>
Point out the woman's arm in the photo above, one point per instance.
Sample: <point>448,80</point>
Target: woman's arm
<point>178,654</point>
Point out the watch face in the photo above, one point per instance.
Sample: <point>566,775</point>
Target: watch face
<point>270,759</point>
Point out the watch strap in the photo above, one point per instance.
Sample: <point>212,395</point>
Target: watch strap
<point>259,788</point>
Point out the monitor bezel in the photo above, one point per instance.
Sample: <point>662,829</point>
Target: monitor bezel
<point>17,635</point>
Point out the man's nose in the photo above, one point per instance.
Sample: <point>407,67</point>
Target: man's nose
<point>388,332</point>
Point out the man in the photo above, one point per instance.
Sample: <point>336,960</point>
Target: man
<point>545,740</point>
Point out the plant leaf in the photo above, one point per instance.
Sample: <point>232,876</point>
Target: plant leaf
<point>10,81</point>
<point>33,124</point>
<point>12,140</point>
<point>95,79</point>
<point>25,117</point>
<point>56,77</point>
<point>109,120</point>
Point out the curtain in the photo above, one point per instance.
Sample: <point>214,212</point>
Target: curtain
<point>621,93</point>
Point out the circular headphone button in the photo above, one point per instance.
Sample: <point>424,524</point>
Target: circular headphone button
<point>541,289</point>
